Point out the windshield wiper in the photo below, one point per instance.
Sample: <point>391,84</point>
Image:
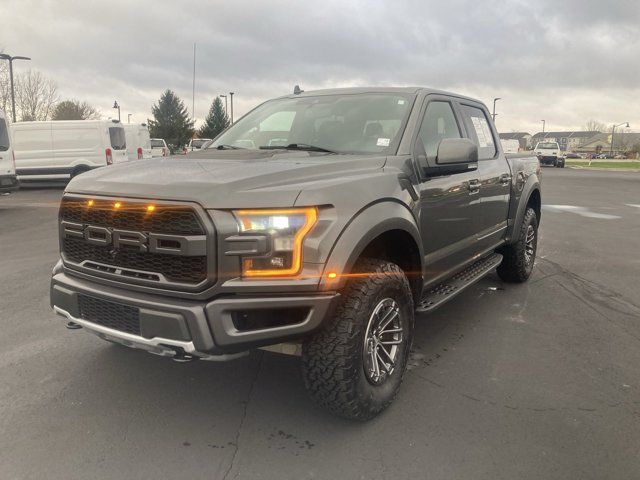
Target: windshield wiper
<point>297,146</point>
<point>228,147</point>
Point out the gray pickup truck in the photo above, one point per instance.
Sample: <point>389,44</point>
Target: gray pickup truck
<point>318,225</point>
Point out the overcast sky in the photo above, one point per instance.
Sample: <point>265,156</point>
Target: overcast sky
<point>565,61</point>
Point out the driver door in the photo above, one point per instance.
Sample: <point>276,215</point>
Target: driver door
<point>449,203</point>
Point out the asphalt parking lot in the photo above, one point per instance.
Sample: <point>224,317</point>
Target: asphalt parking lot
<point>540,380</point>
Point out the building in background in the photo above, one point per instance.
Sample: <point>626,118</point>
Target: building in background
<point>523,138</point>
<point>601,143</point>
<point>568,141</point>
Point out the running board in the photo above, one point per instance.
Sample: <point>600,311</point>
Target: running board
<point>453,286</point>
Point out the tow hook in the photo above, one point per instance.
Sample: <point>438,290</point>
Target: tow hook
<point>73,326</point>
<point>182,357</point>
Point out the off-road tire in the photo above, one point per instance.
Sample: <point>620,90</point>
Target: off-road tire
<point>332,360</point>
<point>514,267</point>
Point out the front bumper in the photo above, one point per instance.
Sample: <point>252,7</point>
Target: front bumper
<point>212,330</point>
<point>9,183</point>
<point>546,160</point>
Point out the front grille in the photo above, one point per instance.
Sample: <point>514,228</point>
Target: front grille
<point>128,261</point>
<point>108,314</point>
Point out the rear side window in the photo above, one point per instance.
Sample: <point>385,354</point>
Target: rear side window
<point>478,126</point>
<point>118,138</point>
<point>439,123</point>
<point>4,136</point>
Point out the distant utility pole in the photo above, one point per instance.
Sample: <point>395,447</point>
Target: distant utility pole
<point>226,107</point>
<point>129,117</point>
<point>231,95</point>
<point>193,87</point>
<point>4,56</point>
<point>613,133</point>
<point>494,109</point>
<point>543,124</point>
<point>115,105</point>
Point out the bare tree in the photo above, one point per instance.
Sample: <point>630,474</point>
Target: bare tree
<point>36,96</point>
<point>74,110</point>
<point>5,87</point>
<point>594,126</point>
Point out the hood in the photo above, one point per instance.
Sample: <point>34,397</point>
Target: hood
<point>225,179</point>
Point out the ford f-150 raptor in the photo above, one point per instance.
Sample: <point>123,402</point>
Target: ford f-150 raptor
<point>319,222</point>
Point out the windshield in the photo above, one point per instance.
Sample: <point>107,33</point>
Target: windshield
<point>118,138</point>
<point>199,142</point>
<point>157,143</point>
<point>356,123</point>
<point>4,136</point>
<point>548,145</point>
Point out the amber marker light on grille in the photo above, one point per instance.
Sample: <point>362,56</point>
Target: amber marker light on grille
<point>90,203</point>
<point>117,205</point>
<point>150,208</point>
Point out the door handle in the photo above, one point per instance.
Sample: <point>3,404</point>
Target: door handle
<point>505,179</point>
<point>473,186</point>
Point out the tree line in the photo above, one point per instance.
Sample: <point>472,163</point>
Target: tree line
<point>37,99</point>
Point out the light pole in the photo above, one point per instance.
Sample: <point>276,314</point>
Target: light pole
<point>226,107</point>
<point>129,117</point>
<point>494,109</point>
<point>543,124</point>
<point>613,133</point>
<point>231,95</point>
<point>4,56</point>
<point>115,105</point>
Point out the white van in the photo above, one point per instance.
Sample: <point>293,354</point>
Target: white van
<point>8,179</point>
<point>159,148</point>
<point>138,140</point>
<point>58,150</point>
<point>510,146</point>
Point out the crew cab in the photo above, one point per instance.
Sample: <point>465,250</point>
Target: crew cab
<point>354,210</point>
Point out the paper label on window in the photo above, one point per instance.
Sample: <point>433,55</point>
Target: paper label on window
<point>483,132</point>
<point>383,142</point>
<point>400,102</point>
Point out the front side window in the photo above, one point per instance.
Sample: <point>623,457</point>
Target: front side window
<point>439,123</point>
<point>118,138</point>
<point>480,131</point>
<point>347,123</point>
<point>4,136</point>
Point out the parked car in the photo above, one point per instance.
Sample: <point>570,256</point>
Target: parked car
<point>381,202</point>
<point>571,155</point>
<point>138,141</point>
<point>59,150</point>
<point>549,154</point>
<point>197,144</point>
<point>159,148</point>
<point>620,156</point>
<point>8,179</point>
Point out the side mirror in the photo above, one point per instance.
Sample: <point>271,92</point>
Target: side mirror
<point>457,151</point>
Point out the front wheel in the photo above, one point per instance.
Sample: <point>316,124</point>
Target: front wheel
<point>354,366</point>
<point>519,257</point>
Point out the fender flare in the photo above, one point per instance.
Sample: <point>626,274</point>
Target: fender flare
<point>368,224</point>
<point>532,185</point>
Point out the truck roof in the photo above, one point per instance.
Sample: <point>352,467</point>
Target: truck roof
<point>357,90</point>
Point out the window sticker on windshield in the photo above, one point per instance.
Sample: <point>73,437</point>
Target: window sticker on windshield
<point>400,102</point>
<point>383,142</point>
<point>483,132</point>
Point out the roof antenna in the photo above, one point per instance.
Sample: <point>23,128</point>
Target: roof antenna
<point>297,90</point>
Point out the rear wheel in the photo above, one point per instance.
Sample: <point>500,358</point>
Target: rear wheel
<point>354,366</point>
<point>519,257</point>
<point>78,170</point>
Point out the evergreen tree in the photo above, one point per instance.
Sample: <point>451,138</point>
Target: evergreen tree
<point>171,120</point>
<point>216,121</point>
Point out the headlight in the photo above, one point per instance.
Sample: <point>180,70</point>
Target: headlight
<point>285,229</point>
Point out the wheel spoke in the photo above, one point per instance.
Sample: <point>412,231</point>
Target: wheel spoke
<point>391,342</point>
<point>387,355</point>
<point>386,367</point>
<point>389,316</point>
<point>374,363</point>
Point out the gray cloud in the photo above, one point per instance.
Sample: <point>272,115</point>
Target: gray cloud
<point>562,60</point>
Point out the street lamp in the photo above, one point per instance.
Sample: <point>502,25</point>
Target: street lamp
<point>231,101</point>
<point>613,133</point>
<point>226,107</point>
<point>129,117</point>
<point>4,56</point>
<point>494,108</point>
<point>543,124</point>
<point>115,105</point>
